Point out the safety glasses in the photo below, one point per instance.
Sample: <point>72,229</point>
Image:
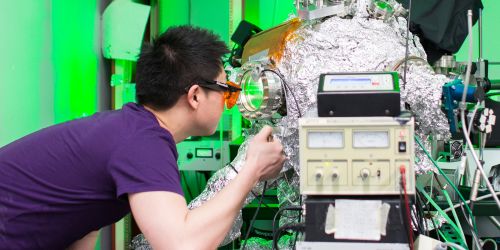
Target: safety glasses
<point>231,90</point>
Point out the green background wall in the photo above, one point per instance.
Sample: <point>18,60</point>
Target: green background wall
<point>49,65</point>
<point>491,38</point>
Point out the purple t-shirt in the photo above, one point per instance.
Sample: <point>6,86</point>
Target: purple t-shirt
<point>62,182</point>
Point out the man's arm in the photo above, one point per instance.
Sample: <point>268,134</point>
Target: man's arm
<point>85,243</point>
<point>167,223</point>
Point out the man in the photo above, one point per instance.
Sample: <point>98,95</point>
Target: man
<point>61,184</point>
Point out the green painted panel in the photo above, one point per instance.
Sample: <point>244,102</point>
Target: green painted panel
<point>172,13</point>
<point>123,26</point>
<point>26,92</point>
<point>491,38</point>
<point>75,58</point>
<point>268,13</point>
<point>212,15</point>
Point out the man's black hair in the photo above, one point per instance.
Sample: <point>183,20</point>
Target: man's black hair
<point>177,59</point>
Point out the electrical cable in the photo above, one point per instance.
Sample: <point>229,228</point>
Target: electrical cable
<point>254,194</point>
<point>402,171</point>
<point>418,208</point>
<point>254,216</point>
<point>476,107</point>
<point>494,221</point>
<point>454,213</point>
<point>474,228</point>
<point>454,245</point>
<point>406,46</point>
<point>287,88</point>
<point>492,241</point>
<point>440,211</point>
<point>419,216</point>
<point>300,220</point>
<point>402,212</point>
<point>429,212</point>
<point>446,178</point>
<point>290,226</point>
<point>468,219</point>
<point>281,210</point>
<point>462,116</point>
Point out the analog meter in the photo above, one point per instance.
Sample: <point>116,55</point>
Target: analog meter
<point>370,139</point>
<point>355,155</point>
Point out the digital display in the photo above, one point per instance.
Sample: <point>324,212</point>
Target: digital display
<point>204,152</point>
<point>350,81</point>
<point>370,139</point>
<point>325,139</point>
<point>357,82</point>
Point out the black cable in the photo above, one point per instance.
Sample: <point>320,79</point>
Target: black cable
<point>420,205</point>
<point>406,49</point>
<point>416,221</point>
<point>402,213</point>
<point>418,216</point>
<point>287,88</point>
<point>429,212</point>
<point>300,219</point>
<point>471,205</point>
<point>299,227</point>
<point>282,209</point>
<point>254,216</point>
<point>254,194</point>
<point>424,219</point>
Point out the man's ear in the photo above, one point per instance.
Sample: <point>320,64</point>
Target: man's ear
<point>192,96</point>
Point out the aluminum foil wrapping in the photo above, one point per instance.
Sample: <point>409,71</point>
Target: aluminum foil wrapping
<point>140,243</point>
<point>285,243</point>
<point>356,45</point>
<point>423,93</point>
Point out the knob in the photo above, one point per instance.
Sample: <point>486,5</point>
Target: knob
<point>189,155</point>
<point>318,176</point>
<point>217,155</point>
<point>335,175</point>
<point>365,173</point>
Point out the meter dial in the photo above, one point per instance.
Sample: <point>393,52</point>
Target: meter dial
<point>370,139</point>
<point>330,139</point>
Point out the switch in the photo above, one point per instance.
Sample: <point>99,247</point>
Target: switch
<point>402,147</point>
<point>365,173</point>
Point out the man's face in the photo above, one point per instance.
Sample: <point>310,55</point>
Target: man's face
<point>211,108</point>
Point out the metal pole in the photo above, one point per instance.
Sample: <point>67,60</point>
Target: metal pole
<point>480,27</point>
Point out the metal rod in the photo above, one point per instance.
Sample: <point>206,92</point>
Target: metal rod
<point>480,27</point>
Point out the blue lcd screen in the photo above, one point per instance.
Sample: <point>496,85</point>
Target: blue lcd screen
<point>350,81</point>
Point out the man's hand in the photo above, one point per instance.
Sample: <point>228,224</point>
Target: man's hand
<point>265,155</point>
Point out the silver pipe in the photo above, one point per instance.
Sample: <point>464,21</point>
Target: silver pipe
<point>495,221</point>
<point>480,27</point>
